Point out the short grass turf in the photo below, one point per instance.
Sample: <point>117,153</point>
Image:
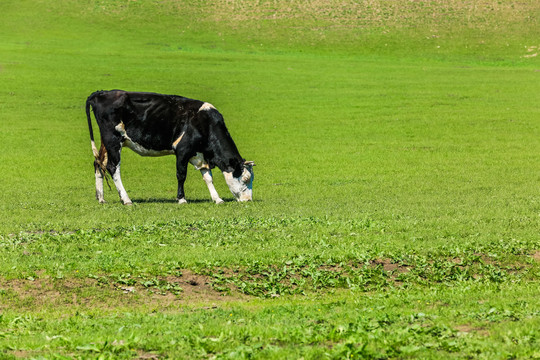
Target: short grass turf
<point>396,211</point>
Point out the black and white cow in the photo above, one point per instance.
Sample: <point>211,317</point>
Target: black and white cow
<point>154,125</point>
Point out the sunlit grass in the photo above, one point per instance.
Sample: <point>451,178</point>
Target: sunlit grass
<point>396,202</point>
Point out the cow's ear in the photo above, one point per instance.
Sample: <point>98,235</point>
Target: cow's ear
<point>249,163</point>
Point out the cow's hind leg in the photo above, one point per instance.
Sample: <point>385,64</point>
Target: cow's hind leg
<point>100,168</point>
<point>120,187</point>
<point>114,150</point>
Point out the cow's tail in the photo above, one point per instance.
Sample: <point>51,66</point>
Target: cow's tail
<point>92,142</point>
<point>99,163</point>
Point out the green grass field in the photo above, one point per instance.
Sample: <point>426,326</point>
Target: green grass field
<point>396,212</point>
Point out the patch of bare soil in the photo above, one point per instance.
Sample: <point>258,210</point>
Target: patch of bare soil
<point>536,255</point>
<point>465,328</point>
<point>146,356</point>
<point>44,291</point>
<point>196,288</point>
<point>22,354</point>
<point>388,266</point>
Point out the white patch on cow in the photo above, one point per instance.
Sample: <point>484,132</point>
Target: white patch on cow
<point>139,149</point>
<point>99,187</point>
<point>242,190</point>
<point>198,162</point>
<point>121,128</point>
<point>206,106</point>
<point>120,187</point>
<point>175,143</point>
<point>207,177</point>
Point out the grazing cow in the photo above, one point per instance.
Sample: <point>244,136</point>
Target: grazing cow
<point>155,125</point>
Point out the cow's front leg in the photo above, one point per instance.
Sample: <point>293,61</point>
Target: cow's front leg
<point>207,177</point>
<point>181,174</point>
<point>200,164</point>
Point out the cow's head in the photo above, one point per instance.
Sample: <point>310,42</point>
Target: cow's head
<point>241,186</point>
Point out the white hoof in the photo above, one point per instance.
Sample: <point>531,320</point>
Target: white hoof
<point>219,201</point>
<point>182,201</point>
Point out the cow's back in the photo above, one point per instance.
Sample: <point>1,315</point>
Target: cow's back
<point>149,119</point>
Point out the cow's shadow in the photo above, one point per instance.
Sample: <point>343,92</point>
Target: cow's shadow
<point>173,201</point>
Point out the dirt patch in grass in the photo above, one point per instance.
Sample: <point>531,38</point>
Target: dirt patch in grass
<point>22,354</point>
<point>390,266</point>
<point>465,328</point>
<point>209,286</point>
<point>45,291</point>
<point>146,356</point>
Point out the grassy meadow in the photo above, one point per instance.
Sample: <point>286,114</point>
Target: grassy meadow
<point>396,212</point>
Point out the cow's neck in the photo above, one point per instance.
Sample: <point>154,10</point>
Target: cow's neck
<point>226,157</point>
